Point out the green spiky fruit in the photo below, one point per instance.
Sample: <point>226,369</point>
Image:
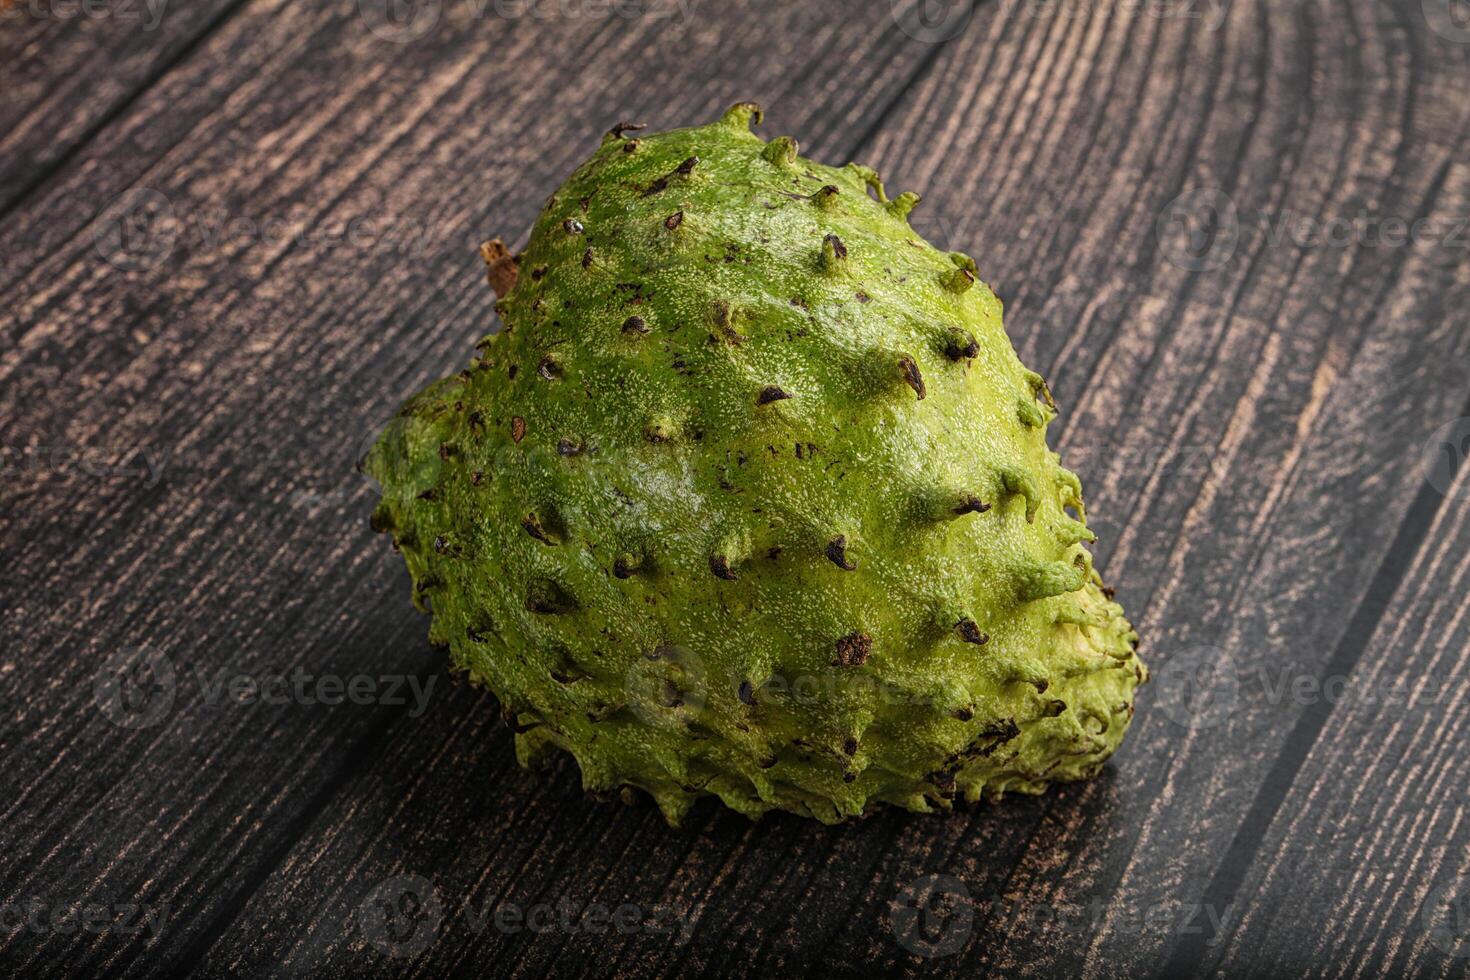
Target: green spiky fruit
<point>751,497</point>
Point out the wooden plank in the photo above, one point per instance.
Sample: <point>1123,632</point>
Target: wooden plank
<point>1299,373</point>
<point>1230,420</point>
<point>69,69</point>
<point>1369,862</point>
<point>1075,150</point>
<point>257,365</point>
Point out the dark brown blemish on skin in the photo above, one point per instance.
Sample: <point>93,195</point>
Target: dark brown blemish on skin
<point>850,746</point>
<point>549,368</point>
<point>972,505</point>
<point>573,226</point>
<point>517,429</point>
<point>837,553</point>
<point>673,221</point>
<point>587,259</point>
<point>1002,732</point>
<point>912,377</point>
<point>635,324</point>
<point>853,650</point>
<point>747,693</point>
<point>960,345</point>
<point>662,184</point>
<point>771,393</point>
<point>970,633</point>
<point>534,528</point>
<point>720,565</point>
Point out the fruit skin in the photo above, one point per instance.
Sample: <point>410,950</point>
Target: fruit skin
<point>751,497</point>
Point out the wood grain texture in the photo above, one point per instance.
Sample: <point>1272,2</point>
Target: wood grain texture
<point>68,70</point>
<point>257,366</point>
<point>1372,835</point>
<point>1275,418</point>
<point>1246,414</point>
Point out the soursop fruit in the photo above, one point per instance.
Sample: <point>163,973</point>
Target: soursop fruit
<point>751,497</point>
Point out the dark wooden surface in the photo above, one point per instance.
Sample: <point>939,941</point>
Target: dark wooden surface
<point>1248,409</point>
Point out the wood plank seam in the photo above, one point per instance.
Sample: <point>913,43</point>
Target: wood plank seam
<point>1408,543</point>
<point>120,109</point>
